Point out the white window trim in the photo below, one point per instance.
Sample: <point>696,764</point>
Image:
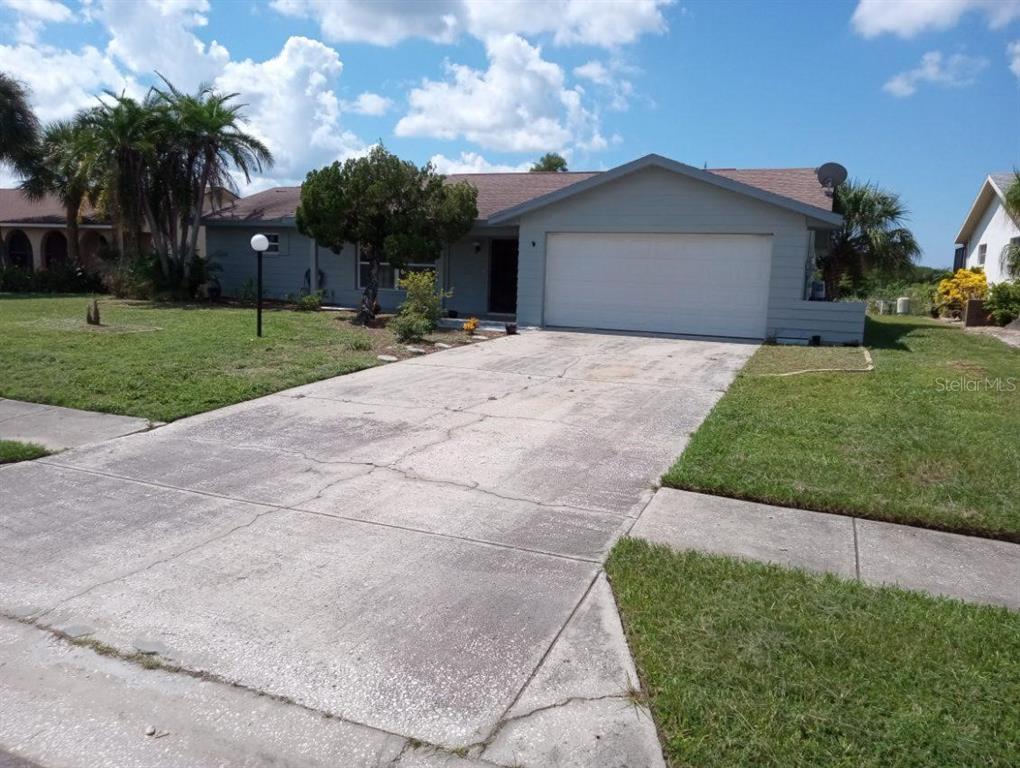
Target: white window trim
<point>433,265</point>
<point>274,242</point>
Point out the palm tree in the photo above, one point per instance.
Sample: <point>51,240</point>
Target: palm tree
<point>61,171</point>
<point>122,135</point>
<point>872,237</point>
<point>19,128</point>
<point>210,144</point>
<point>1010,256</point>
<point>550,161</point>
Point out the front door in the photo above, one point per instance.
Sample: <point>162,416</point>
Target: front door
<point>503,277</point>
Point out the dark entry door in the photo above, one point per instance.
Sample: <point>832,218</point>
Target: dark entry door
<point>503,276</point>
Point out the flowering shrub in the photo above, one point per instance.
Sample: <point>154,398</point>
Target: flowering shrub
<point>1003,302</point>
<point>471,325</point>
<point>966,284</point>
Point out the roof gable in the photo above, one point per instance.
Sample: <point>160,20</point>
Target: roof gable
<point>993,188</point>
<point>718,179</point>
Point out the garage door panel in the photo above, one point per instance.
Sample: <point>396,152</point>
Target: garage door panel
<point>693,284</point>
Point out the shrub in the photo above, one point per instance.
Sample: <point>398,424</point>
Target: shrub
<point>1003,302</point>
<point>69,279</point>
<point>955,291</point>
<point>249,291</point>
<point>310,302</point>
<point>923,299</point>
<point>131,278</point>
<point>411,327</point>
<point>424,299</point>
<point>471,325</point>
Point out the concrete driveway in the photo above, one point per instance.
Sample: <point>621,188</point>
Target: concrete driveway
<point>413,552</point>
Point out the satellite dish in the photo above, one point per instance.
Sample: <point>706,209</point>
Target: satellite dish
<point>830,175</point>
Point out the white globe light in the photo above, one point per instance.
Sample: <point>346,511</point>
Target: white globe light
<point>259,243</point>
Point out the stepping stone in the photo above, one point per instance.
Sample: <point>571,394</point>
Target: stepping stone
<point>387,358</point>
<point>415,350</point>
<point>441,345</point>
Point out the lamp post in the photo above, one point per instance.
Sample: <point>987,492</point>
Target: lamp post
<point>259,244</point>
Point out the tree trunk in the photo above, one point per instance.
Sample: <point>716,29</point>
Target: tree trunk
<point>158,241</point>
<point>370,294</point>
<point>197,220</point>
<point>73,251</point>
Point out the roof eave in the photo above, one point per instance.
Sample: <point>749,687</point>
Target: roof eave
<point>819,214</point>
<point>977,209</point>
<point>285,221</point>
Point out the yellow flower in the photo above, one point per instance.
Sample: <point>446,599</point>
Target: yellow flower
<point>966,284</point>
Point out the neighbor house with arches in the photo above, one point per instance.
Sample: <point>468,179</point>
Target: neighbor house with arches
<point>33,233</point>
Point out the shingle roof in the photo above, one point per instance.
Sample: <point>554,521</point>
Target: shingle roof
<point>16,208</point>
<point>500,191</point>
<point>276,204</point>
<point>799,184</point>
<point>1003,179</point>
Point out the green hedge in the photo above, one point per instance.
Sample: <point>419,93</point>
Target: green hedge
<point>60,280</point>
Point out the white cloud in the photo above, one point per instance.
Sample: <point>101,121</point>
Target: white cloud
<point>157,35</point>
<point>584,22</point>
<point>369,104</point>
<point>33,15</point>
<point>387,22</point>
<point>43,10</point>
<point>1013,54</point>
<point>292,107</point>
<point>907,18</point>
<point>610,78</point>
<point>951,72</point>
<point>519,104</point>
<point>381,22</point>
<point>62,82</point>
<point>472,162</point>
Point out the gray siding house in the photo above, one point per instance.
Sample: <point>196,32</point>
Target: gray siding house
<point>650,246</point>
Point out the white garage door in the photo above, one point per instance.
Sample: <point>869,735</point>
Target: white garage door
<point>712,285</point>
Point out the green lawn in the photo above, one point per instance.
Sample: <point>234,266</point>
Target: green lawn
<point>931,437</point>
<point>753,665</point>
<point>12,451</point>
<point>165,361</point>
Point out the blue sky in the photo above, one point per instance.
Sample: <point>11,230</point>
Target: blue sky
<point>920,97</point>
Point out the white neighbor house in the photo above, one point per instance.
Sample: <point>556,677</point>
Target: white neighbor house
<point>988,229</point>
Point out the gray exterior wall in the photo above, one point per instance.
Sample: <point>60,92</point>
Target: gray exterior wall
<point>660,201</point>
<point>284,275</point>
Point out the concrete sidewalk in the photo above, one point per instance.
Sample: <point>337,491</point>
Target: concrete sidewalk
<point>58,429</point>
<point>968,568</point>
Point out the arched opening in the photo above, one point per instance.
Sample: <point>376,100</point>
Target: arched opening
<point>19,250</point>
<point>93,247</point>
<point>54,249</point>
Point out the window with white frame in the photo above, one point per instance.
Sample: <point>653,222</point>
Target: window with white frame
<point>389,278</point>
<point>274,243</point>
<point>982,254</point>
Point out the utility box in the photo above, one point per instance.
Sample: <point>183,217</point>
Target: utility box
<point>974,313</point>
